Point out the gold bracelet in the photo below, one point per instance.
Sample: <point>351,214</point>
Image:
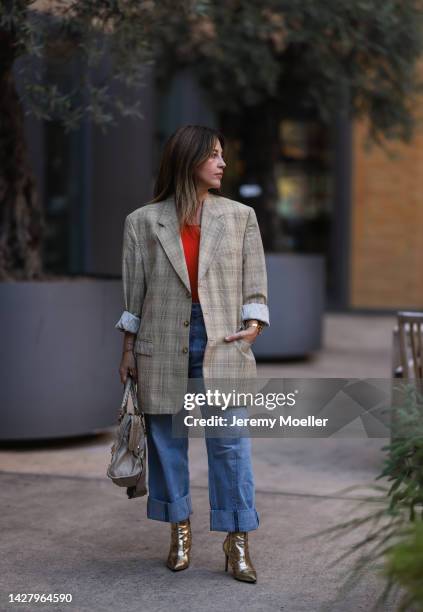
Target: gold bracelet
<point>259,327</point>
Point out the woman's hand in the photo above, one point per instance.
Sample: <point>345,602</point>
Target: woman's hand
<point>249,335</point>
<point>128,366</point>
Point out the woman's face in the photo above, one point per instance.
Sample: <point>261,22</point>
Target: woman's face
<point>209,174</point>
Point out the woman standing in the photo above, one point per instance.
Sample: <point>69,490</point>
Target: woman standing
<point>195,298</point>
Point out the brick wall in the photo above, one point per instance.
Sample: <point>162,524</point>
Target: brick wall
<point>386,262</point>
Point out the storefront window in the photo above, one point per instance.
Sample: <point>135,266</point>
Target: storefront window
<point>289,183</point>
<point>304,188</point>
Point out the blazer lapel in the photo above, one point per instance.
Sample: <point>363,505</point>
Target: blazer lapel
<point>170,239</point>
<point>212,230</point>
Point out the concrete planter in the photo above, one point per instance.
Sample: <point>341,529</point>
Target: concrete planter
<point>60,356</point>
<point>296,305</point>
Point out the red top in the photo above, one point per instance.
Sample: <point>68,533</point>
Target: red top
<point>190,235</point>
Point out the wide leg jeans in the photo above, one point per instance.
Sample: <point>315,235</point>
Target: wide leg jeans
<point>230,474</point>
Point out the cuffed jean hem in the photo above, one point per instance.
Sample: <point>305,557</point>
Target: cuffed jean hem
<point>234,520</point>
<point>170,512</point>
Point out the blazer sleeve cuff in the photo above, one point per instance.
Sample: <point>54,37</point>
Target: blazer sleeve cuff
<point>128,322</point>
<point>256,311</point>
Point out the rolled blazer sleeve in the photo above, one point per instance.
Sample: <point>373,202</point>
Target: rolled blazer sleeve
<point>254,277</point>
<point>133,282</point>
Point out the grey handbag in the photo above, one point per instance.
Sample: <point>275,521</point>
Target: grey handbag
<point>128,464</point>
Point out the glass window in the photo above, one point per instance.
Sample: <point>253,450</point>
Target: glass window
<point>56,206</point>
<point>291,190</point>
<point>303,177</point>
<point>65,183</point>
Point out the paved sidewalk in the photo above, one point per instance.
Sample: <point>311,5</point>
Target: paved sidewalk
<point>67,529</point>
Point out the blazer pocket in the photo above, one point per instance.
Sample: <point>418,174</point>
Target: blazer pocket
<point>244,345</point>
<point>143,346</point>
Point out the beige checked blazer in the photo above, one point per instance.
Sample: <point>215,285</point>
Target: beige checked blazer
<point>232,287</point>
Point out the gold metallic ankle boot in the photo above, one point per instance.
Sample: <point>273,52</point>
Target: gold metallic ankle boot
<point>237,554</point>
<point>180,546</point>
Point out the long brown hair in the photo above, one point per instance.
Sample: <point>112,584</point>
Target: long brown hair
<point>183,152</point>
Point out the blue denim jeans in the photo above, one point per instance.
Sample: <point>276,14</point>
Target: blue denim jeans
<point>230,474</point>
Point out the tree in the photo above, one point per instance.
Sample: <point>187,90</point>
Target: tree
<point>263,60</point>
<point>255,58</point>
<point>111,43</point>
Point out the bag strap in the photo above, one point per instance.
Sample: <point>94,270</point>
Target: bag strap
<point>130,401</point>
<point>131,405</point>
<point>126,393</point>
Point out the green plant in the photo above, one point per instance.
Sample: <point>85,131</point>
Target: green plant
<point>393,545</point>
<point>404,565</point>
